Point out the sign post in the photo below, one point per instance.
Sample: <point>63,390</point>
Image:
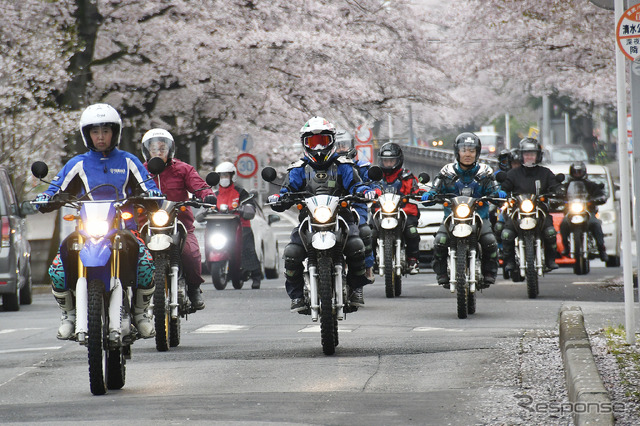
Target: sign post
<point>626,33</point>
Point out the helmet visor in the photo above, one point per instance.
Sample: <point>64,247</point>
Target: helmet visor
<point>317,142</point>
<point>158,147</point>
<point>467,147</point>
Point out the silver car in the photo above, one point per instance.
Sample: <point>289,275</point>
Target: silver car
<point>265,241</point>
<point>428,223</point>
<point>15,251</point>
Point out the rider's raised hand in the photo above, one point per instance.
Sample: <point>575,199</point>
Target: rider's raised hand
<point>427,196</point>
<point>43,198</point>
<point>210,199</point>
<point>274,198</point>
<point>154,193</point>
<point>371,194</point>
<point>502,194</point>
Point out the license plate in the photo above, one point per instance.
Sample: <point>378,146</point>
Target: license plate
<point>426,245</point>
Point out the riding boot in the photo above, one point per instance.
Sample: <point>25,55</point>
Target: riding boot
<point>195,297</point>
<point>550,258</point>
<point>141,320</point>
<point>66,301</point>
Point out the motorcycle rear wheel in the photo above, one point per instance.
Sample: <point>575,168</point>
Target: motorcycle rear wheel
<point>530,269</point>
<point>219,274</point>
<point>98,323</point>
<point>328,317</point>
<point>462,289</point>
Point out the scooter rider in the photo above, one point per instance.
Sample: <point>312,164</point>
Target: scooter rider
<point>176,181</point>
<point>390,159</point>
<point>345,147</point>
<point>231,194</point>
<point>466,176</point>
<point>522,180</point>
<point>101,127</point>
<point>597,196</point>
<point>322,171</point>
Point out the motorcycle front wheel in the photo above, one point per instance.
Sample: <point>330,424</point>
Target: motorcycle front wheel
<point>161,311</point>
<point>530,270</point>
<point>219,274</point>
<point>328,316</point>
<point>390,277</point>
<point>462,289</point>
<point>97,352</point>
<point>581,266</point>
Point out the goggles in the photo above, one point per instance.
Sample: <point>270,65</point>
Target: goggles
<point>317,142</point>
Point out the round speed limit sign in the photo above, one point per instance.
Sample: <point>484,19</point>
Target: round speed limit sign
<point>246,165</point>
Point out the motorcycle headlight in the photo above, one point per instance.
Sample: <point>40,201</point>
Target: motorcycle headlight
<point>160,218</point>
<point>322,214</point>
<point>576,207</point>
<point>463,210</point>
<point>527,206</point>
<point>388,206</point>
<point>97,228</point>
<point>217,241</point>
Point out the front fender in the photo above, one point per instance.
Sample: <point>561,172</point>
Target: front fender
<point>159,242</point>
<point>95,253</point>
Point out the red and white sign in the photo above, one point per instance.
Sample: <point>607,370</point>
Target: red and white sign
<point>363,134</point>
<point>246,165</point>
<point>628,32</point>
<point>365,152</point>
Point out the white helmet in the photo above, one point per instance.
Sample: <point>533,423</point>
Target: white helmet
<point>318,138</point>
<point>100,115</point>
<point>226,167</point>
<point>157,135</point>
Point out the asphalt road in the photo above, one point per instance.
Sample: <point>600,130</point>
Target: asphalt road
<point>246,359</point>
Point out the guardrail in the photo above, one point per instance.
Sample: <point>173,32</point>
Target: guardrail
<point>435,156</point>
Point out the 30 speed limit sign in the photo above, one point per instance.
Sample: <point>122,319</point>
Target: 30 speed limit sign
<point>246,165</point>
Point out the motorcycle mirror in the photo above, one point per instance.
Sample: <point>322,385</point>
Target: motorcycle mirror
<point>40,169</point>
<point>601,185</point>
<point>156,165</point>
<point>213,178</point>
<point>560,177</point>
<point>269,174</point>
<point>501,176</point>
<point>375,173</point>
<point>424,177</point>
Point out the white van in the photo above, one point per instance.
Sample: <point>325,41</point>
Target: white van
<point>608,212</point>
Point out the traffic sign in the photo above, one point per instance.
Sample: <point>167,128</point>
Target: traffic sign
<point>363,134</point>
<point>246,165</point>
<point>628,32</point>
<point>244,142</point>
<point>365,152</point>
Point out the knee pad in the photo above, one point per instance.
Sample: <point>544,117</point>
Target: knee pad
<point>549,234</point>
<point>354,252</point>
<point>508,235</point>
<point>294,255</point>
<point>498,228</point>
<point>56,272</point>
<point>366,235</point>
<point>441,241</point>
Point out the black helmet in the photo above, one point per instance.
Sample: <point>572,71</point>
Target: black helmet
<point>467,139</point>
<point>504,160</point>
<point>390,150</point>
<point>515,155</point>
<point>578,170</point>
<point>530,145</point>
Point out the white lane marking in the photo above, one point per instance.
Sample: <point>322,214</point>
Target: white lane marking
<point>316,329</point>
<point>435,329</point>
<point>220,328</point>
<point>586,282</point>
<point>13,330</point>
<point>48,348</point>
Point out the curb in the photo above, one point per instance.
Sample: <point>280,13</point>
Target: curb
<point>587,393</point>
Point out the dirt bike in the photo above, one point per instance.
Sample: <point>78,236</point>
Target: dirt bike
<point>464,262</point>
<point>582,245</point>
<point>324,234</point>
<point>165,235</point>
<point>223,243</point>
<point>102,271</point>
<point>390,220</point>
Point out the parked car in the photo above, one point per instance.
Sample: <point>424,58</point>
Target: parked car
<point>428,223</point>
<point>15,252</point>
<point>564,154</point>
<point>266,244</point>
<point>607,212</point>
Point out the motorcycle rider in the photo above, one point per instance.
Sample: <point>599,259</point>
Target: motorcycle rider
<point>345,147</point>
<point>578,172</point>
<point>231,194</point>
<point>322,171</point>
<point>462,177</point>
<point>177,180</point>
<point>390,159</point>
<point>104,163</point>
<point>522,180</point>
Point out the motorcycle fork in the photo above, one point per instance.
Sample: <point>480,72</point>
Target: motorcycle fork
<point>472,270</point>
<point>539,265</point>
<point>173,276</point>
<point>452,270</point>
<point>313,293</point>
<point>82,299</point>
<point>398,260</point>
<point>381,256</point>
<point>521,256</point>
<point>339,295</point>
<point>116,313</point>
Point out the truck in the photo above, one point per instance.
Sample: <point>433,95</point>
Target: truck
<point>492,141</point>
